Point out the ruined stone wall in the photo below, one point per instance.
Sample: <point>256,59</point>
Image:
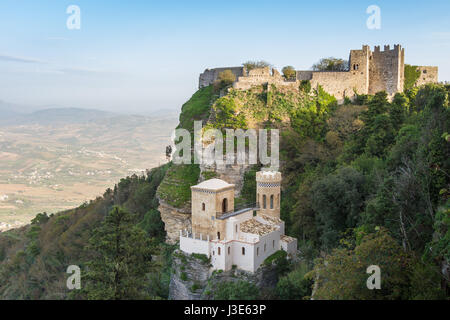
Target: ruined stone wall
<point>263,76</point>
<point>427,75</point>
<point>369,72</point>
<point>210,75</point>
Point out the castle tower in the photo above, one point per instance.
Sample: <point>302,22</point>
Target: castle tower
<point>386,70</point>
<point>211,199</point>
<point>359,68</point>
<point>268,192</point>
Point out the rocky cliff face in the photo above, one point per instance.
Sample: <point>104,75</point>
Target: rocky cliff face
<point>175,219</point>
<point>231,173</point>
<point>192,278</point>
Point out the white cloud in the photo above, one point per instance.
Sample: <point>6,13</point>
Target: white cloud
<point>19,59</point>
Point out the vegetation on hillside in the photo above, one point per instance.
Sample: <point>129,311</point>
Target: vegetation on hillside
<point>197,107</point>
<point>34,259</point>
<point>289,72</point>
<point>384,165</point>
<point>224,79</point>
<point>412,74</point>
<point>175,189</point>
<point>363,184</point>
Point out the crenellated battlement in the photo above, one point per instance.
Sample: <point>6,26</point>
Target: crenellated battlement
<point>369,72</point>
<point>268,176</point>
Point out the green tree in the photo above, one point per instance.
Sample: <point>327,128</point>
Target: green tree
<point>224,79</point>
<point>305,86</point>
<point>120,259</point>
<point>239,290</point>
<point>227,116</point>
<point>289,73</point>
<point>342,274</point>
<point>153,225</point>
<point>411,76</point>
<point>398,110</point>
<point>250,65</point>
<point>337,200</point>
<point>294,285</point>
<point>331,64</point>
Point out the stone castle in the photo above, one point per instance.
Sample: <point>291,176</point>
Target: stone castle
<point>237,237</point>
<point>368,73</point>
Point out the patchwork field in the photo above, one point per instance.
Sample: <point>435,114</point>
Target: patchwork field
<point>52,167</point>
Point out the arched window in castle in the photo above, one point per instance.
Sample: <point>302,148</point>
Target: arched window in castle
<point>355,66</point>
<point>218,235</point>
<point>271,201</point>
<point>203,207</point>
<point>264,201</point>
<point>225,205</point>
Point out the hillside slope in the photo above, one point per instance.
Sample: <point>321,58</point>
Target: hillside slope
<point>365,182</point>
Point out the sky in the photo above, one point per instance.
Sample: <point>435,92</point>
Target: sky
<point>143,56</point>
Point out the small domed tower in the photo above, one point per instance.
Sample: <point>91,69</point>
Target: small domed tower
<point>268,192</point>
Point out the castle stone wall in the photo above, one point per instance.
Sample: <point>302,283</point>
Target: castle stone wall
<point>210,75</point>
<point>339,84</point>
<point>261,76</point>
<point>369,72</point>
<point>304,75</point>
<point>427,75</point>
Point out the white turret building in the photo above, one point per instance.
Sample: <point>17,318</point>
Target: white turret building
<point>241,237</point>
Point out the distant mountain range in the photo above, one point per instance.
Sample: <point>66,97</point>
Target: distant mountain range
<point>12,115</point>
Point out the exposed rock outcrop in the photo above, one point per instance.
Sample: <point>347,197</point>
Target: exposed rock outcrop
<point>174,219</point>
<point>192,278</point>
<point>231,173</point>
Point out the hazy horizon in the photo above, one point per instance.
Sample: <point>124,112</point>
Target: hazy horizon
<point>144,56</point>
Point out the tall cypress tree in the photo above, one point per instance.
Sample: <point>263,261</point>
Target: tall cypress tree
<point>120,259</point>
